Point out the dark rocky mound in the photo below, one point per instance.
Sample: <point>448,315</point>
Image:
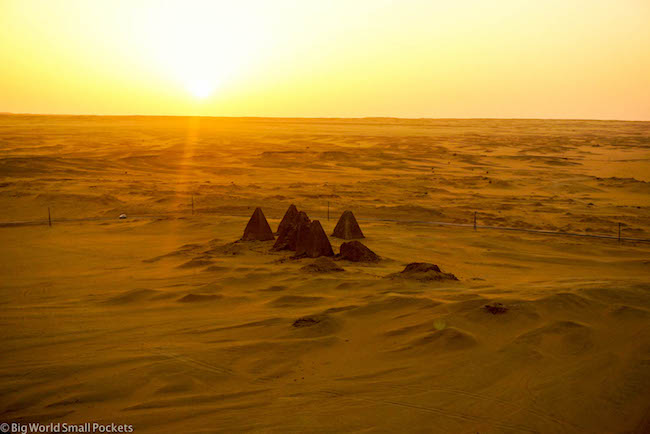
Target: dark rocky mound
<point>355,251</point>
<point>423,271</point>
<point>306,322</point>
<point>347,227</point>
<point>495,308</point>
<point>322,265</point>
<point>288,236</point>
<point>288,218</point>
<point>313,242</point>
<point>258,228</point>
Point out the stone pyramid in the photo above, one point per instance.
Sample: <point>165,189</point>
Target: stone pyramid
<point>347,228</point>
<point>287,220</point>
<point>288,236</point>
<point>258,228</point>
<point>313,242</point>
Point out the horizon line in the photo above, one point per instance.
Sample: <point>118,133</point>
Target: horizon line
<point>319,117</point>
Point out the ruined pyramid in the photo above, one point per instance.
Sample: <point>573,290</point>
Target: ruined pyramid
<point>288,236</point>
<point>313,242</point>
<point>288,218</point>
<point>347,228</point>
<point>258,228</point>
<point>355,251</point>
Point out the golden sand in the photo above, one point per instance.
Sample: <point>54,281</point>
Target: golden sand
<point>163,321</point>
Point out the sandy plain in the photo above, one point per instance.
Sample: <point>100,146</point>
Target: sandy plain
<point>163,321</point>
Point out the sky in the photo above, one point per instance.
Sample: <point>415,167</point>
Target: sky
<point>577,59</point>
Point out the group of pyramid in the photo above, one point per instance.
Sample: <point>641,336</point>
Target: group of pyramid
<point>296,232</point>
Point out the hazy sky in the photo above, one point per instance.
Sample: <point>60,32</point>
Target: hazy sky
<point>464,58</point>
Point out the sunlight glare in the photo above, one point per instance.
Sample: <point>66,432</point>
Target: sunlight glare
<point>200,44</point>
<point>201,89</point>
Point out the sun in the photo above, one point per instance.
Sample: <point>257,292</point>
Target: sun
<point>201,89</point>
<point>200,44</point>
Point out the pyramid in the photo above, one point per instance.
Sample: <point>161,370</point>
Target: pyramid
<point>291,214</point>
<point>288,236</point>
<point>312,241</point>
<point>258,228</point>
<point>347,228</point>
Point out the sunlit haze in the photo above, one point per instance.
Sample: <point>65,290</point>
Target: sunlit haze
<point>587,59</point>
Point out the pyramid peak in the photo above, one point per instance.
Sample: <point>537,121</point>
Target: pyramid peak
<point>288,218</point>
<point>258,228</point>
<point>347,227</point>
<point>313,242</point>
<point>288,233</point>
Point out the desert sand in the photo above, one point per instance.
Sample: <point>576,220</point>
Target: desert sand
<point>166,321</point>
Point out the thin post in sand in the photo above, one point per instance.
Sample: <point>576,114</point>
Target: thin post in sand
<point>328,210</point>
<point>192,204</point>
<point>49,218</point>
<point>619,232</point>
<point>474,220</point>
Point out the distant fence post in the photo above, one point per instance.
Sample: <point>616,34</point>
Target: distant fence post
<point>474,220</point>
<point>619,232</point>
<point>49,217</point>
<point>192,204</point>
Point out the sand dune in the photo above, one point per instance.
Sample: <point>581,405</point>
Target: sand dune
<point>168,321</point>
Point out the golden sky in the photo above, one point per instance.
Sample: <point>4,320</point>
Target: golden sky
<point>587,59</point>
